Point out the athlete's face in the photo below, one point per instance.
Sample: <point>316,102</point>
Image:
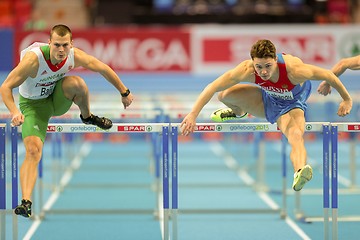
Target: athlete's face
<point>265,67</point>
<point>59,47</point>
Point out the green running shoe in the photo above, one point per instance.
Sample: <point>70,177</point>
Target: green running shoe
<point>24,209</point>
<point>225,114</point>
<point>301,177</point>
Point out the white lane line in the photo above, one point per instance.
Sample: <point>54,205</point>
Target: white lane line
<point>75,164</point>
<point>268,200</point>
<point>161,214</point>
<point>297,229</point>
<point>220,151</point>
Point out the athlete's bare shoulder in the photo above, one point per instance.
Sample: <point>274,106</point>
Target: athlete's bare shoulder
<point>81,58</point>
<point>292,61</point>
<point>78,53</point>
<point>297,70</point>
<point>31,59</point>
<point>29,63</point>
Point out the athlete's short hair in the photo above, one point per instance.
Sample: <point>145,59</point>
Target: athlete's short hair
<point>263,49</point>
<point>61,30</point>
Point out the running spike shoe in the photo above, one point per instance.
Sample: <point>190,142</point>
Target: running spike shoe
<point>103,123</point>
<point>301,177</point>
<point>24,209</point>
<point>225,114</point>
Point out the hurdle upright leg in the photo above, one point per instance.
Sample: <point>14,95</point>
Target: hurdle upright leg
<point>174,181</point>
<point>14,176</point>
<point>2,182</point>
<point>326,171</point>
<point>156,139</point>
<point>334,180</point>
<point>260,161</point>
<point>165,134</point>
<point>352,163</point>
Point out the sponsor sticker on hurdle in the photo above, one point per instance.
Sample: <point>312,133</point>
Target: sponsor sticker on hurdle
<point>205,128</point>
<point>74,128</point>
<point>84,129</point>
<point>354,127</point>
<point>134,128</point>
<point>51,128</point>
<point>249,128</point>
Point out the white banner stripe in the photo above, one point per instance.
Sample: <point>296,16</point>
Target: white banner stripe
<point>252,127</point>
<point>116,128</point>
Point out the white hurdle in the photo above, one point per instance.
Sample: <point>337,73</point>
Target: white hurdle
<point>162,129</point>
<point>330,142</point>
<point>262,127</point>
<point>332,174</point>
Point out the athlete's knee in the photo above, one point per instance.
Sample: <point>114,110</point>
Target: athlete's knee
<point>74,83</point>
<point>234,94</point>
<point>33,148</point>
<point>80,83</point>
<point>221,96</point>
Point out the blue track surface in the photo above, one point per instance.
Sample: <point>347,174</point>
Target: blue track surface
<point>118,178</point>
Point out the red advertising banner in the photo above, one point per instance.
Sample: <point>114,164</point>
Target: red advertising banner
<point>315,49</point>
<point>126,49</point>
<point>216,50</point>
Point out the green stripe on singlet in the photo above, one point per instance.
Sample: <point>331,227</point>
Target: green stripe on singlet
<point>46,51</point>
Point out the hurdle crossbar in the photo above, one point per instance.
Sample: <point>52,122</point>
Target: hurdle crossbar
<point>117,128</point>
<point>250,127</point>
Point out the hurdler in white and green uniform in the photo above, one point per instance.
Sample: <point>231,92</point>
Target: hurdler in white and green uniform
<point>45,91</point>
<point>42,97</point>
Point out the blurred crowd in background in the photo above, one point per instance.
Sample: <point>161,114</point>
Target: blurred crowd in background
<point>42,14</point>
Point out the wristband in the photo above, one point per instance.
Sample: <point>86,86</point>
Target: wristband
<point>126,93</point>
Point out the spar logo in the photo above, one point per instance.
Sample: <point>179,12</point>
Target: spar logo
<point>355,127</point>
<point>53,128</point>
<point>205,128</point>
<point>134,128</point>
<point>249,128</point>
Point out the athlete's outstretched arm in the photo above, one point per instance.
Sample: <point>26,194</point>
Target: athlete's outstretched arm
<point>91,63</point>
<point>226,80</point>
<point>312,72</point>
<point>352,63</point>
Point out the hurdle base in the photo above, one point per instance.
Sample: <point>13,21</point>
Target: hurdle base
<point>339,219</point>
<point>229,211</point>
<point>99,211</point>
<point>174,220</point>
